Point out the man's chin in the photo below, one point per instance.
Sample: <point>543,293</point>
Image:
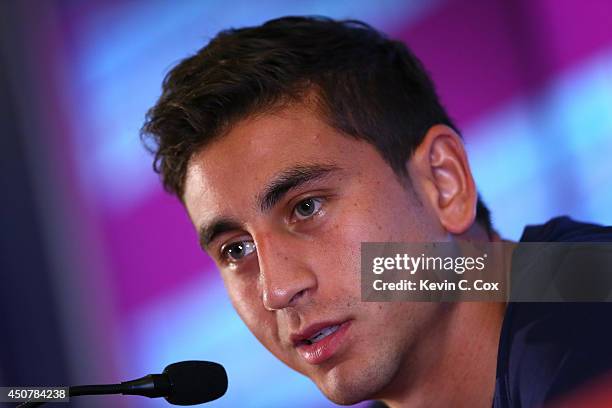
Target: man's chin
<point>342,396</point>
<point>348,386</point>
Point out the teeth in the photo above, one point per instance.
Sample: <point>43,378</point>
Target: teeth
<point>322,334</point>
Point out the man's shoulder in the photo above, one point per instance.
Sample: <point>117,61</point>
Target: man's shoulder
<point>550,349</point>
<point>565,229</point>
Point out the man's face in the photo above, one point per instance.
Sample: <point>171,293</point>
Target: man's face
<point>282,203</point>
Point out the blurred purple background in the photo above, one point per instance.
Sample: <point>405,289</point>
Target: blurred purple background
<point>102,278</point>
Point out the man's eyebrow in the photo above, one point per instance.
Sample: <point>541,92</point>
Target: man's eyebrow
<point>289,179</point>
<point>209,231</point>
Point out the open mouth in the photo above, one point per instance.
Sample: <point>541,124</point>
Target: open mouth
<point>321,335</point>
<point>324,343</point>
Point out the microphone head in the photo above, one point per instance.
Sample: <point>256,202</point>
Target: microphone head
<point>195,382</point>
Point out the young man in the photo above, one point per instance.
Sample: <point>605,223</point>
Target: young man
<point>290,144</point>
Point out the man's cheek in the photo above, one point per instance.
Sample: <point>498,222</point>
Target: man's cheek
<point>362,223</point>
<point>262,324</point>
<point>247,301</point>
<point>247,304</point>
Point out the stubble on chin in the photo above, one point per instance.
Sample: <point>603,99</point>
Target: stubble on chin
<point>348,385</point>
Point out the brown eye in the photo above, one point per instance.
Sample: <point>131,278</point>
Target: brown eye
<point>238,250</point>
<point>307,208</point>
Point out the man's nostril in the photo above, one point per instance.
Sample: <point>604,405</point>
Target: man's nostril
<point>297,296</point>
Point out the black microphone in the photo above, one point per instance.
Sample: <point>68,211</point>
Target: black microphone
<point>183,383</point>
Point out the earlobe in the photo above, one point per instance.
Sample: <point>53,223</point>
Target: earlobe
<point>449,186</point>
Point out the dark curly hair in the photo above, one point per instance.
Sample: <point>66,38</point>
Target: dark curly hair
<point>367,86</point>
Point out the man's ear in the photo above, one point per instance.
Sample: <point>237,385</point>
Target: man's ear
<point>440,164</point>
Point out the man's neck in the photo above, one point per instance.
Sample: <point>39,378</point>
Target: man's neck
<point>456,364</point>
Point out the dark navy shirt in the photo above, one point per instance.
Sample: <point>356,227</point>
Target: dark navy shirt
<point>548,350</point>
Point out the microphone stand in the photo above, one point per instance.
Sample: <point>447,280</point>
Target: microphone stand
<point>152,386</point>
<point>77,390</point>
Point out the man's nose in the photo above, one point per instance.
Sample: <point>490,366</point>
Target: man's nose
<point>284,274</point>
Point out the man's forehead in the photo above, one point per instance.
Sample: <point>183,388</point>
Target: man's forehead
<point>257,148</point>
<point>260,193</point>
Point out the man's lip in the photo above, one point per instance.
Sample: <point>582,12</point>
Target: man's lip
<point>299,337</point>
<point>324,349</point>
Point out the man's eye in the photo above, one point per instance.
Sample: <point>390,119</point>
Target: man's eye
<point>307,208</point>
<point>237,250</point>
